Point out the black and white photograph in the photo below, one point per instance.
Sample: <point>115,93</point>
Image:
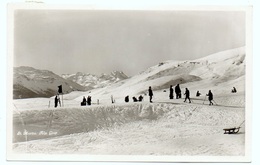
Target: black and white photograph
<point>160,85</point>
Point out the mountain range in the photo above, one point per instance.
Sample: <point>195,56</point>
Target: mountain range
<point>94,81</point>
<point>30,82</point>
<point>217,71</point>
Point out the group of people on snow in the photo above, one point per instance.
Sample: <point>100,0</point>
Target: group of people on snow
<point>86,101</point>
<point>140,99</point>
<point>150,94</point>
<point>178,94</point>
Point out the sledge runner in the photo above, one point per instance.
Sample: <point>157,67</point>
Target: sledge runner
<point>171,92</point>
<point>150,94</point>
<point>210,95</point>
<point>187,95</point>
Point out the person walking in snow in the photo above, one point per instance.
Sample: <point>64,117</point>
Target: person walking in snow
<point>187,95</point>
<point>210,95</point>
<point>171,92</point>
<point>150,94</point>
<point>178,91</point>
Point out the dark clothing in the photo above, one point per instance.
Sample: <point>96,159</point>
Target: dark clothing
<point>83,103</point>
<point>210,95</point>
<point>234,90</point>
<point>56,100</point>
<point>150,94</point>
<point>127,99</point>
<point>198,94</point>
<point>140,98</point>
<point>187,95</point>
<point>134,99</point>
<point>178,91</point>
<point>171,93</point>
<point>89,100</point>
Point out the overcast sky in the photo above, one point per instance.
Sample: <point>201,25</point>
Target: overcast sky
<point>130,41</point>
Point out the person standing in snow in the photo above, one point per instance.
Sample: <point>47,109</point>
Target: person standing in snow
<point>89,100</point>
<point>187,95</point>
<point>178,91</point>
<point>56,101</point>
<point>210,95</point>
<point>150,94</point>
<point>171,92</point>
<point>127,99</point>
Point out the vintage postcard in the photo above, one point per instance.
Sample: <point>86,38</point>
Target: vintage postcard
<point>161,84</point>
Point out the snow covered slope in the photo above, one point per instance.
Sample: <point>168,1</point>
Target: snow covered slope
<point>30,82</point>
<point>164,127</point>
<point>218,72</point>
<point>93,81</point>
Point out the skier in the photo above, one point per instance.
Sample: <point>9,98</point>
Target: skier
<point>187,94</point>
<point>83,101</point>
<point>127,99</point>
<point>140,98</point>
<point>150,94</point>
<point>178,91</point>
<point>210,95</point>
<point>171,92</point>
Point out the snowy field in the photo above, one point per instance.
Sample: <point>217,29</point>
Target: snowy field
<point>165,127</point>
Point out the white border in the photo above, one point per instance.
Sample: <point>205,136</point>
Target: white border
<point>126,158</point>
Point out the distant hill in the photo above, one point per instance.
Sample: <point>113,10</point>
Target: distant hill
<point>30,82</point>
<point>218,72</point>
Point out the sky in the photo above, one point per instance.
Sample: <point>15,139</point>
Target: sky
<point>101,41</point>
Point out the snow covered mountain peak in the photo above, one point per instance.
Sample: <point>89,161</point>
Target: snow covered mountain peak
<point>31,82</point>
<point>226,69</point>
<point>95,81</point>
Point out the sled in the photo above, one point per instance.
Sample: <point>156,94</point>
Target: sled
<point>231,130</point>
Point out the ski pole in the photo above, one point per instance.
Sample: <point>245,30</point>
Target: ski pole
<point>204,99</point>
<point>215,102</point>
